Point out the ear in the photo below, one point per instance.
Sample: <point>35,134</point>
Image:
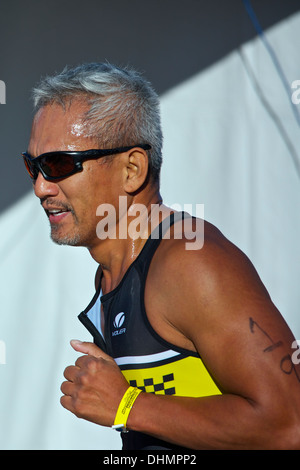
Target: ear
<point>136,170</point>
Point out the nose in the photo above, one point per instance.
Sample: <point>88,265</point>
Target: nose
<point>44,188</point>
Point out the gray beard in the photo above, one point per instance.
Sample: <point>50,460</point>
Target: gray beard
<point>66,240</point>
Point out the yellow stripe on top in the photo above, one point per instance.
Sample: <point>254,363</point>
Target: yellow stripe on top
<point>185,377</point>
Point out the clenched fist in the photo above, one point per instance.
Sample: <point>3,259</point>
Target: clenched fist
<point>94,386</point>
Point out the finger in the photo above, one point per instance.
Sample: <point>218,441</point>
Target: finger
<point>67,402</point>
<point>71,373</point>
<point>67,388</point>
<point>88,348</point>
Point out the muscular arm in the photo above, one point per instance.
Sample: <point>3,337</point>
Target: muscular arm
<point>213,301</point>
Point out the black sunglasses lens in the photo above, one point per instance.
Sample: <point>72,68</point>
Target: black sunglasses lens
<point>56,166</point>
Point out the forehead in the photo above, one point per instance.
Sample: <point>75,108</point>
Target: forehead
<point>58,128</point>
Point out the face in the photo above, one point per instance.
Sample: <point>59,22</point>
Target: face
<point>71,203</point>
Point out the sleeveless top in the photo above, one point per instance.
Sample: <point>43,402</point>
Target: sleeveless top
<point>146,360</point>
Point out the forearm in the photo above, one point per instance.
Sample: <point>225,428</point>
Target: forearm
<point>270,420</point>
<point>218,422</point>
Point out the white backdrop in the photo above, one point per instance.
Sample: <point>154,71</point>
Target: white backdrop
<point>222,149</point>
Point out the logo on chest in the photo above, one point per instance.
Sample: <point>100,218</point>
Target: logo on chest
<point>117,323</point>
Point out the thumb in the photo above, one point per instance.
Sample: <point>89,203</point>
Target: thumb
<point>87,348</point>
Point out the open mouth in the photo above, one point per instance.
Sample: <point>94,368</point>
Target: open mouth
<point>56,215</point>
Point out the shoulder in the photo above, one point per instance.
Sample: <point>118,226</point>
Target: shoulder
<point>196,252</point>
<point>210,285</point>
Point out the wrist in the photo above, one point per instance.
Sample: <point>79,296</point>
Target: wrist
<point>125,407</point>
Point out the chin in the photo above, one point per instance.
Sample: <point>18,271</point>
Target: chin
<point>74,240</point>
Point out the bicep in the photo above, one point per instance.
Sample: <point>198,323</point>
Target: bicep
<point>249,353</point>
<point>242,338</point>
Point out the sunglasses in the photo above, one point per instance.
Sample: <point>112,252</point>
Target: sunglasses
<point>58,165</point>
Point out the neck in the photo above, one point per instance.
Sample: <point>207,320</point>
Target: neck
<point>121,241</point>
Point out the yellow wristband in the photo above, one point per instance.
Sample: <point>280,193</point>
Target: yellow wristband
<point>124,408</point>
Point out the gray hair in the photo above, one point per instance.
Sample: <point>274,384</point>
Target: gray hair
<point>124,108</point>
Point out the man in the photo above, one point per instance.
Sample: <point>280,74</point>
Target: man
<point>189,350</point>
